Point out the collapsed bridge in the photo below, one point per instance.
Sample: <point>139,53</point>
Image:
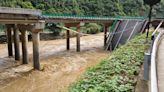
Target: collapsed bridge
<point>19,20</point>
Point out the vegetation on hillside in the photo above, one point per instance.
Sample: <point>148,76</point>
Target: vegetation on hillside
<point>87,7</point>
<point>116,74</point>
<point>91,28</point>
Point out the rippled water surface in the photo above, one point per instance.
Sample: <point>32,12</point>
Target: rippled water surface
<point>60,68</point>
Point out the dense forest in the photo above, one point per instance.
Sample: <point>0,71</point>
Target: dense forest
<point>88,7</point>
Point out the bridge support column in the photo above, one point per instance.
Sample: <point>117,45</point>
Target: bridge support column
<point>16,43</point>
<point>78,38</point>
<point>105,34</point>
<point>36,58</point>
<point>9,40</point>
<point>35,29</point>
<point>68,39</point>
<point>35,39</point>
<point>24,38</point>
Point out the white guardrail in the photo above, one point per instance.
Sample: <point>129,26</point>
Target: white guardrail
<point>154,83</point>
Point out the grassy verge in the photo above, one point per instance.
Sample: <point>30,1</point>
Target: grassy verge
<point>116,74</point>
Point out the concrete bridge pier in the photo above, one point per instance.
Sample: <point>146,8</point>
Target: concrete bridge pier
<point>36,58</point>
<point>68,39</point>
<point>77,25</point>
<point>9,39</point>
<point>16,42</point>
<point>106,26</point>
<point>78,38</point>
<point>67,36</point>
<point>24,38</point>
<point>105,34</point>
<point>35,39</point>
<point>35,29</point>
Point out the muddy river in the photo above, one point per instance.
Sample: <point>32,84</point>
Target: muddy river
<point>60,68</point>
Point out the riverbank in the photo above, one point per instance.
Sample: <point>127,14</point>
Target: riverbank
<point>118,73</point>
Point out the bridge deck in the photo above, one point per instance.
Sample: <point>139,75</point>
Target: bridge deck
<point>160,65</point>
<point>19,15</point>
<point>7,10</point>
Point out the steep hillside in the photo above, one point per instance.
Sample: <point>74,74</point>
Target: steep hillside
<point>88,7</point>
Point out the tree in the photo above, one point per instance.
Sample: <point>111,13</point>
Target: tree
<point>86,7</point>
<point>151,2</point>
<point>26,5</point>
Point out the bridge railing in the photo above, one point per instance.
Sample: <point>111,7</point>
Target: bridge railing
<point>155,43</point>
<point>91,17</point>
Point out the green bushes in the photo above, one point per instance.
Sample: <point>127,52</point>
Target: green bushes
<point>117,73</point>
<point>53,28</point>
<point>91,28</point>
<point>2,28</point>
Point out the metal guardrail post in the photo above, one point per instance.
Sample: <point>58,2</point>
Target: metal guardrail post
<point>147,60</point>
<point>152,42</point>
<point>146,65</point>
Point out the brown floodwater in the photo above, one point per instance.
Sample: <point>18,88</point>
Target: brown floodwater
<point>60,68</point>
